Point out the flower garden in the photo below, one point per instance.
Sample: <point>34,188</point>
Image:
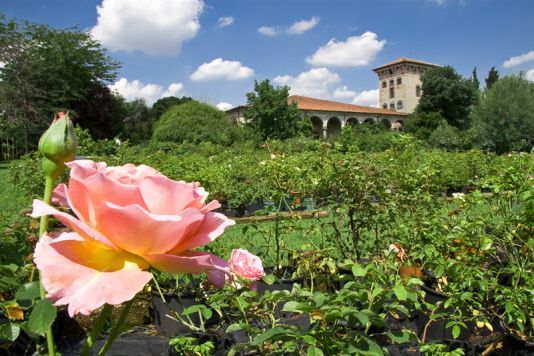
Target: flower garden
<point>302,247</point>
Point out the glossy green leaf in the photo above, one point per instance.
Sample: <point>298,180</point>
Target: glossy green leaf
<point>42,316</point>
<point>400,292</point>
<point>28,291</point>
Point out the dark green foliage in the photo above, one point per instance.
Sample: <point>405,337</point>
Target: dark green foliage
<point>447,93</point>
<point>47,69</point>
<point>270,114</point>
<point>474,80</point>
<point>421,125</point>
<point>504,118</point>
<point>137,123</point>
<point>493,76</point>
<point>100,112</point>
<point>164,104</point>
<point>195,122</point>
<point>446,136</point>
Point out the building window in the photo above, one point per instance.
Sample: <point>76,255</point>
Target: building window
<point>384,84</point>
<point>391,92</point>
<point>399,81</point>
<point>391,82</point>
<point>399,104</point>
<point>418,91</point>
<point>391,106</point>
<point>385,106</point>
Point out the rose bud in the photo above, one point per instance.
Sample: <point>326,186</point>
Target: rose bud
<point>58,145</point>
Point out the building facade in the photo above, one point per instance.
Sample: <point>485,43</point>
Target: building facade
<point>399,83</point>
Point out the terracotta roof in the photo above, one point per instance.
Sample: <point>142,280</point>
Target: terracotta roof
<point>305,103</point>
<point>404,59</point>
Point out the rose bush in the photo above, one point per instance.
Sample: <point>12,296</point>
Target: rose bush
<point>127,219</point>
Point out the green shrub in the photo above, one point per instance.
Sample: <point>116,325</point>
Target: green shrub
<point>195,122</point>
<point>446,136</point>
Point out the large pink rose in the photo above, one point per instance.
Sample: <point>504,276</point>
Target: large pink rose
<point>246,265</point>
<point>127,219</point>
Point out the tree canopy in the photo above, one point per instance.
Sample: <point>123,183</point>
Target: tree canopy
<point>269,113</point>
<point>504,118</point>
<point>46,70</point>
<point>493,76</point>
<point>447,93</point>
<point>195,122</point>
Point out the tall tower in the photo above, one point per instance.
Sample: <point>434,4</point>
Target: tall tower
<point>400,83</point>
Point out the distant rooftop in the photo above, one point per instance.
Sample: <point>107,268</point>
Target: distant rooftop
<point>406,60</point>
<point>305,103</point>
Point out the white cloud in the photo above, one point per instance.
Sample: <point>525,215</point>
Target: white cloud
<point>149,92</point>
<point>356,51</point>
<point>268,31</point>
<point>302,26</point>
<point>344,93</point>
<point>225,21</point>
<point>367,98</point>
<point>224,106</point>
<point>315,83</point>
<point>529,75</point>
<point>222,69</point>
<point>155,27</point>
<point>515,61</point>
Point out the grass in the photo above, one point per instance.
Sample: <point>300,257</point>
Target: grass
<point>14,226</point>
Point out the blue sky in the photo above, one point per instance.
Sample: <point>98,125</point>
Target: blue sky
<point>213,50</point>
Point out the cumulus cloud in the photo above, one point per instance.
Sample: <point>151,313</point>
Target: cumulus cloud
<point>529,75</point>
<point>268,31</point>
<point>224,106</point>
<point>316,82</point>
<point>302,26</point>
<point>356,51</point>
<point>222,69</point>
<point>518,60</point>
<point>149,92</point>
<point>344,93</point>
<point>367,98</point>
<point>225,21</point>
<point>156,27</point>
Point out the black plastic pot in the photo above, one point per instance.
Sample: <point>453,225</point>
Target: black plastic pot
<point>222,343</point>
<point>412,349</point>
<point>175,304</point>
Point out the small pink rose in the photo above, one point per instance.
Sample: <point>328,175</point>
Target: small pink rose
<point>246,265</point>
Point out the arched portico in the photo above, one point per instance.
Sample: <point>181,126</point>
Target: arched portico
<point>333,127</point>
<point>386,123</point>
<point>352,122</point>
<point>317,125</point>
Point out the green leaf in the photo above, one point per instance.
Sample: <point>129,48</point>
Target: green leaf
<point>485,243</point>
<point>400,292</point>
<point>234,327</point>
<point>362,317</point>
<point>399,336</point>
<point>359,271</point>
<point>314,351</point>
<point>269,334</point>
<point>42,317</point>
<point>9,331</point>
<point>28,291</point>
<point>269,279</point>
<point>455,331</point>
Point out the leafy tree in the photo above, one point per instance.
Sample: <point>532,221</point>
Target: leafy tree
<point>137,123</point>
<point>504,118</point>
<point>474,80</point>
<point>270,114</point>
<point>195,122</point>
<point>47,69</point>
<point>164,104</point>
<point>421,124</point>
<point>446,136</point>
<point>493,76</point>
<point>100,112</point>
<point>447,93</point>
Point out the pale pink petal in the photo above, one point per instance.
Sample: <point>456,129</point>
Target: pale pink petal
<point>135,230</point>
<point>82,168</point>
<point>59,196</point>
<point>87,195</point>
<point>130,174</point>
<point>212,227</point>
<point>87,275</point>
<point>192,262</point>
<point>165,196</point>
<point>212,205</point>
<point>41,209</point>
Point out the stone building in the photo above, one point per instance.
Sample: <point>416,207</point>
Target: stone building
<point>399,88</point>
<point>400,83</point>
